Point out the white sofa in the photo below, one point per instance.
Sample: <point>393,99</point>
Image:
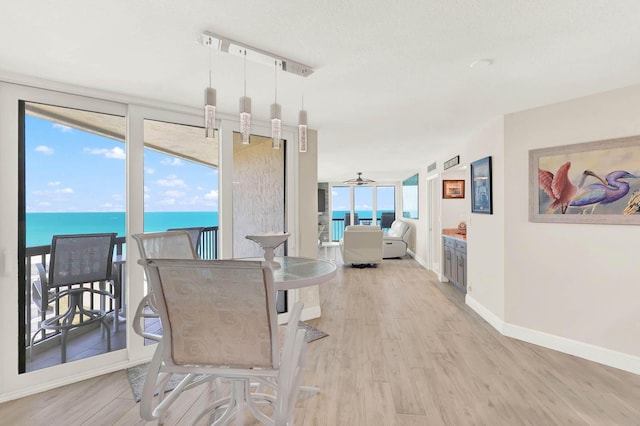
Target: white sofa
<point>361,245</point>
<point>396,240</point>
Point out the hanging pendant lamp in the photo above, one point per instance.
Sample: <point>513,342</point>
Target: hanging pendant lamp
<point>276,116</point>
<point>245,109</point>
<point>210,103</point>
<point>302,129</point>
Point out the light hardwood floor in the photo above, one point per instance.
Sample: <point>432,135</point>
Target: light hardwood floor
<point>403,349</point>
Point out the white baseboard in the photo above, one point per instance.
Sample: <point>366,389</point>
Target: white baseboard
<point>310,313</point>
<point>587,351</point>
<point>418,259</point>
<point>495,321</point>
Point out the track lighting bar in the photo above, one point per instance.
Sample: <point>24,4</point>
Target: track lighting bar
<point>237,48</point>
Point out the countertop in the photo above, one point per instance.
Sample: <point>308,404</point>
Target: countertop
<point>453,233</point>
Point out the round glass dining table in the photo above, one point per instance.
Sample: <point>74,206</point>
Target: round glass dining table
<point>298,272</point>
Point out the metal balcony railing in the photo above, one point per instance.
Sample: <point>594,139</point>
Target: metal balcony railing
<point>207,249</point>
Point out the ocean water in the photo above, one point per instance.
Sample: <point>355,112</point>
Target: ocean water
<point>42,226</point>
<point>339,214</point>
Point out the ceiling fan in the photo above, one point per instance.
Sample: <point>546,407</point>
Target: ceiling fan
<point>359,180</point>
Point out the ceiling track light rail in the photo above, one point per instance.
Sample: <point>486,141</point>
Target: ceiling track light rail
<point>237,48</point>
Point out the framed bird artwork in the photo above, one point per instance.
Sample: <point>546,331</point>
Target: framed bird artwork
<point>592,182</point>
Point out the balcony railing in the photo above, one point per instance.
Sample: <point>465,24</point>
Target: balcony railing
<point>337,226</point>
<point>207,249</point>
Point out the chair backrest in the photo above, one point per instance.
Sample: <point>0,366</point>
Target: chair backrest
<point>80,258</point>
<point>362,243</point>
<point>195,233</point>
<point>386,219</point>
<point>166,245</point>
<point>347,219</point>
<point>216,312</point>
<point>400,229</point>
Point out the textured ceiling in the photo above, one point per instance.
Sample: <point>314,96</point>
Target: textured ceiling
<point>392,83</point>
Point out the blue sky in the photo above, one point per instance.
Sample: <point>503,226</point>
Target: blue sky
<point>69,170</point>
<point>363,198</point>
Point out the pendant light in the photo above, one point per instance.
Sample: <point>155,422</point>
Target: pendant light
<point>302,129</point>
<point>245,109</point>
<point>210,103</point>
<point>276,115</point>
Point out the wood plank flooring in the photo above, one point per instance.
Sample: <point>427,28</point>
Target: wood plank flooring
<point>403,349</point>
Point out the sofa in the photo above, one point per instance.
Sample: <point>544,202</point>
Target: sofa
<point>361,245</point>
<point>396,240</point>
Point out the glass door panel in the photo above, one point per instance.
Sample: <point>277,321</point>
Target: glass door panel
<point>385,204</point>
<point>73,180</point>
<point>363,205</point>
<point>181,187</point>
<point>340,210</point>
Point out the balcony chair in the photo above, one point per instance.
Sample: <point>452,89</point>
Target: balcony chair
<point>347,219</point>
<point>361,245</point>
<point>75,260</point>
<point>173,244</point>
<point>386,219</point>
<point>220,321</point>
<point>396,240</point>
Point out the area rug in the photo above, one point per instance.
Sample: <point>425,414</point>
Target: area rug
<point>138,373</point>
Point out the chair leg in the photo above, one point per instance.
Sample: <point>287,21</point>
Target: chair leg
<point>63,343</point>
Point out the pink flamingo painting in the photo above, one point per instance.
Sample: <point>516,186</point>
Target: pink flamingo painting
<point>558,187</point>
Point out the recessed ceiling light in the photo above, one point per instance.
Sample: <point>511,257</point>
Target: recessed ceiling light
<point>481,63</point>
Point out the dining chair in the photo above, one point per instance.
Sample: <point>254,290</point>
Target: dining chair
<point>75,260</point>
<point>173,244</point>
<point>194,232</point>
<point>220,320</point>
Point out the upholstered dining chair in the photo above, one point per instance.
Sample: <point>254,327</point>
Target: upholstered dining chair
<point>173,244</point>
<point>220,320</point>
<point>75,260</point>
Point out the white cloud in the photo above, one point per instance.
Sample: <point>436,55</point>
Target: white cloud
<point>172,181</point>
<point>64,191</point>
<point>211,195</point>
<point>44,149</point>
<point>147,196</point>
<point>115,152</point>
<point>334,193</point>
<point>117,197</point>
<point>62,128</point>
<point>172,162</point>
<point>147,189</point>
<point>174,193</point>
<point>44,204</point>
<point>149,170</point>
<point>54,183</point>
<point>106,205</point>
<point>168,202</point>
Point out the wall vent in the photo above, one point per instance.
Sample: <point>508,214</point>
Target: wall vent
<point>431,167</point>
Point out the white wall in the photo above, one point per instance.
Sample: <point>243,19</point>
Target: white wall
<point>485,233</point>
<point>454,210</point>
<point>569,287</point>
<point>578,282</point>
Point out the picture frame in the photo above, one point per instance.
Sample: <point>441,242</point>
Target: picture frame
<point>481,182</point>
<point>452,189</point>
<point>590,183</point>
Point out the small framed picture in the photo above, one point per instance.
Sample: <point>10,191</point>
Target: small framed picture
<point>481,186</point>
<point>452,189</point>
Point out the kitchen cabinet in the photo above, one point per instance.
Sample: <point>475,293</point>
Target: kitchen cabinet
<point>455,261</point>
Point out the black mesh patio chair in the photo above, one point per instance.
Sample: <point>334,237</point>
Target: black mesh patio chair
<point>75,261</point>
<point>386,219</point>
